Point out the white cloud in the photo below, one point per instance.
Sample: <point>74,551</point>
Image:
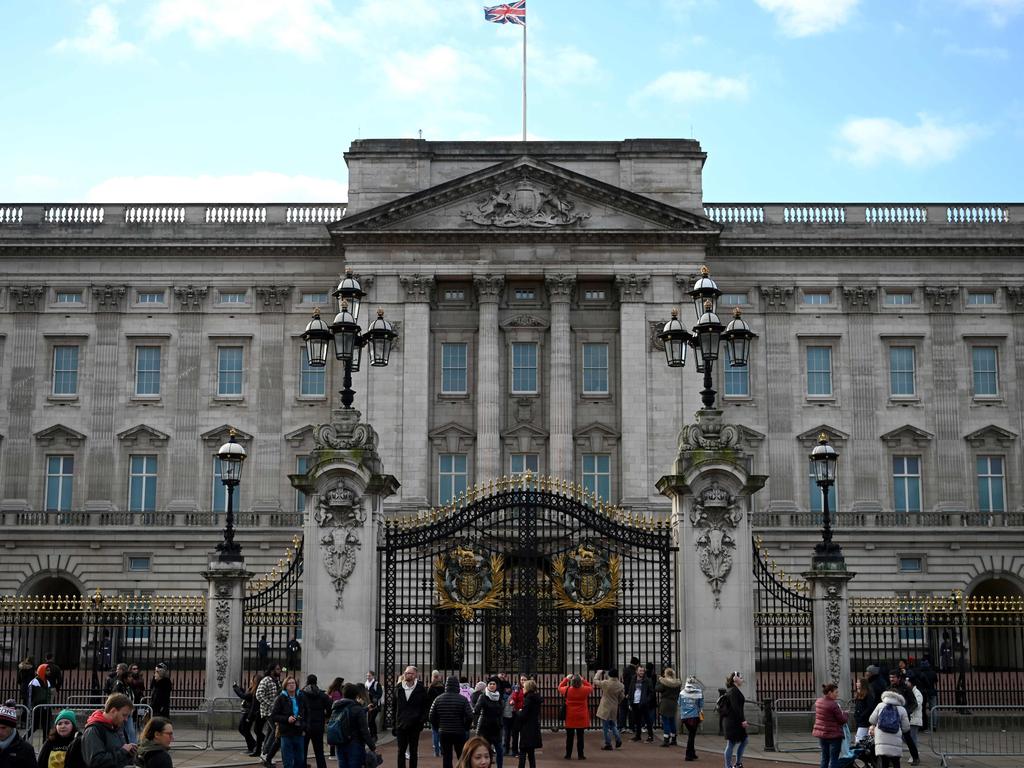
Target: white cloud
<point>873,140</point>
<point>564,66</point>
<point>999,12</point>
<point>259,187</point>
<point>435,73</point>
<point>100,37</point>
<point>686,86</point>
<point>802,18</point>
<point>991,54</point>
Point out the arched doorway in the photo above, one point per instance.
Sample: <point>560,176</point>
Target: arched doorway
<point>53,628</point>
<point>996,633</point>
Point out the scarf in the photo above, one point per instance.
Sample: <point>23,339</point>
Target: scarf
<point>492,695</point>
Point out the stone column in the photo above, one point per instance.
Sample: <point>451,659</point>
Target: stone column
<point>636,485</point>
<point>272,339</point>
<point>186,450</point>
<point>416,389</point>
<point>561,393</point>
<point>711,493</point>
<point>488,377</point>
<point>831,640</point>
<point>777,301</point>
<point>949,449</point>
<point>25,302</point>
<point>710,489</point>
<point>224,640</point>
<point>867,483</point>
<point>346,488</point>
<point>100,490</point>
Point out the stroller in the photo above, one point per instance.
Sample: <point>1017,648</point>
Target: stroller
<point>859,755</point>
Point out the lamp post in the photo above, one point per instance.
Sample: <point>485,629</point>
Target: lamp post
<point>232,456</point>
<point>348,336</point>
<point>706,336</point>
<point>827,553</point>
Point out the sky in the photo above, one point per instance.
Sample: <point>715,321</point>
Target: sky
<point>838,101</point>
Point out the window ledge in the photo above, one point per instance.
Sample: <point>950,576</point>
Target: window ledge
<point>595,395</point>
<point>987,400</point>
<point>311,398</point>
<point>146,398</point>
<point>737,399</point>
<point>821,400</point>
<point>524,394</point>
<point>904,400</point>
<point>227,399</point>
<point>453,396</point>
<point>62,399</point>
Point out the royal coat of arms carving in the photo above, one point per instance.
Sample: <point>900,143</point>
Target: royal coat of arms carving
<point>525,206</point>
<point>585,580</point>
<point>465,582</point>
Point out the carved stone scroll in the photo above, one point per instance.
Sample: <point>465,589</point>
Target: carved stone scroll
<point>715,516</point>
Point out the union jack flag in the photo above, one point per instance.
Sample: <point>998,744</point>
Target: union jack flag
<point>507,13</point>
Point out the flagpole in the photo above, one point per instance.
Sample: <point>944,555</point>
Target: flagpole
<point>524,82</point>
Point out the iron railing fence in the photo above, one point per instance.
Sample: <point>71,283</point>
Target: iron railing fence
<point>272,617</point>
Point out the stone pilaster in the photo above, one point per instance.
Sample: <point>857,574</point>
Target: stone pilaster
<point>186,454</point>
<point>1015,304</point>
<point>948,445</point>
<point>861,304</point>
<point>489,290</point>
<point>777,302</point>
<point>224,640</point>
<point>831,640</point>
<point>415,388</point>
<point>561,396</point>
<point>25,301</point>
<point>271,340</point>
<point>636,485</point>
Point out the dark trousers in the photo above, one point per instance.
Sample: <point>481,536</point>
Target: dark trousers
<point>316,738</point>
<point>257,726</point>
<point>371,720</point>
<point>271,743</point>
<point>408,738</point>
<point>890,762</point>
<point>640,718</point>
<point>245,728</point>
<point>508,726</point>
<point>527,754</point>
<point>569,734</point>
<point>451,743</point>
<point>692,724</point>
<point>911,745</point>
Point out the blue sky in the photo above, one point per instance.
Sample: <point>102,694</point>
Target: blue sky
<point>256,100</point>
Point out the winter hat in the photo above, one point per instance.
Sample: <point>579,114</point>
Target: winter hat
<point>66,714</point>
<point>8,714</point>
<point>41,671</point>
<point>872,670</point>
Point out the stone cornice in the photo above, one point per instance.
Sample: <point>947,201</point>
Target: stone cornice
<point>109,298</point>
<point>632,287</point>
<point>488,287</point>
<point>545,236</point>
<point>884,250</point>
<point>418,288</point>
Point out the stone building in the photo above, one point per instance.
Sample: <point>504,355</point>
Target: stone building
<point>527,283</point>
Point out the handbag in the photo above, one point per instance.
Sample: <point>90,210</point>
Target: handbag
<point>373,759</point>
<point>561,711</point>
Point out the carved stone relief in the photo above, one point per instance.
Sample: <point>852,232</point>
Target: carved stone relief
<point>714,517</point>
<point>339,518</point>
<point>632,287</point>
<point>860,299</point>
<point>26,298</point>
<point>222,630</point>
<point>109,297</point>
<point>273,296</point>
<point>777,298</point>
<point>525,205</point>
<point>709,434</point>
<point>943,298</point>
<point>488,287</point>
<point>190,296</point>
<point>417,287</point>
<point>345,432</point>
<point>832,632</point>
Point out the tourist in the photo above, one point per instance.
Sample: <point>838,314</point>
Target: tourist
<point>266,694</point>
<point>352,753</point>
<point>315,706</point>
<point>916,718</point>
<point>26,671</point>
<point>285,715</point>
<point>928,681</point>
<point>435,689</point>
<point>54,674</point>
<point>137,683</point>
<point>612,694</point>
<point>731,709</point>
<point>691,706</point>
<point>887,728</point>
<point>529,726</point>
<point>104,743</point>
<point>375,693</point>
<point>39,694</point>
<point>508,712</point>
<point>515,698</point>
<point>15,752</point>
<point>628,682</point>
<point>155,744</point>
<point>487,714</point>
<point>263,652</point>
<point>334,694</point>
<point>477,753</point>
<point>641,697</point>
<point>250,714</point>
<point>160,691</point>
<point>294,655</point>
<point>899,684</point>
<point>829,720</point>
<point>55,748</point>
<point>452,716</point>
<point>576,692</point>
<point>410,704</point>
<point>862,709</point>
<point>668,686</point>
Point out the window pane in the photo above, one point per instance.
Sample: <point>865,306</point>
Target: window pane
<point>147,370</point>
<point>452,479</point>
<point>906,484</point>
<point>453,368</point>
<point>984,365</point>
<point>819,371</point>
<point>219,493</point>
<point>142,484</point>
<point>301,467</point>
<point>151,297</point>
<point>65,370</point>
<point>737,380</point>
<point>597,474</point>
<point>60,472</point>
<point>524,367</point>
<point>899,297</point>
<point>312,381</point>
<point>991,484</point>
<point>901,371</point>
<point>595,369</point>
<point>815,495</point>
<point>981,297</point>
<point>732,299</point>
<point>525,462</point>
<point>229,371</point>
<point>817,297</point>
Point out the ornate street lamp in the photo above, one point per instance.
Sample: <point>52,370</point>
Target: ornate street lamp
<point>707,336</point>
<point>232,456</point>
<point>827,553</point>
<point>349,339</point>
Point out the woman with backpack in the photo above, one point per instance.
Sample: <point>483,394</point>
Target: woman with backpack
<point>829,720</point>
<point>55,748</point>
<point>734,722</point>
<point>889,722</point>
<point>348,729</point>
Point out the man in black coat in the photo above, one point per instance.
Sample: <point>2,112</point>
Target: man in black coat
<point>640,696</point>
<point>314,711</point>
<point>409,703</point>
<point>452,715</point>
<point>625,710</point>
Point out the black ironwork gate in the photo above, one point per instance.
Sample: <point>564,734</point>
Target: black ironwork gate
<point>272,617</point>
<point>525,576</point>
<point>784,622</point>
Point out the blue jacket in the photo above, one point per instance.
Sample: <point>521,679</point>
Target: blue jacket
<point>691,701</point>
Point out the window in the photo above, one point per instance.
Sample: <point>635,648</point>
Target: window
<point>301,468</point>
<point>817,297</point>
<point>65,370</point>
<point>991,484</point>
<point>138,563</point>
<point>525,462</point>
<point>232,297</point>
<point>594,295</point>
<point>819,371</point>
<point>906,483</point>
<point>737,379</point>
<point>147,371</point>
<point>525,294</point>
<point>901,371</point>
<point>911,565</point>
<point>976,298</point>
<point>453,368</point>
<point>899,298</point>
<point>595,369</point>
<point>524,367</point>
<point>312,381</point>
<point>451,477</point>
<point>69,297</point>
<point>455,295</point>
<point>142,483</point>
<point>150,297</point>
<point>816,497</point>
<point>317,298</point>
<point>597,475</point>
<point>229,371</point>
<point>732,299</point>
<point>219,494</point>
<point>984,364</point>
<point>60,475</point>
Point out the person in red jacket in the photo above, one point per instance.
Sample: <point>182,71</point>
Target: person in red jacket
<point>577,692</point>
<point>829,720</point>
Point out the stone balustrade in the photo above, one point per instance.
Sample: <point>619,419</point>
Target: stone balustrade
<point>856,520</point>
<point>160,519</point>
<point>875,214</point>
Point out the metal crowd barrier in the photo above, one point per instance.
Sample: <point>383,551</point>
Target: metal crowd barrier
<point>977,731</point>
<point>792,721</point>
<point>82,712</point>
<point>225,713</point>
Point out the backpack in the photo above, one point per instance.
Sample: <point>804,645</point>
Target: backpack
<point>889,719</point>
<point>722,706</point>
<point>911,701</point>
<point>74,758</point>
<point>339,729</point>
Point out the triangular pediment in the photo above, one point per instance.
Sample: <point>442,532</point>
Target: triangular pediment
<point>596,438</point>
<point>143,433</point>
<point>523,195</point>
<point>991,436</point>
<point>298,436</point>
<point>452,438</point>
<point>907,436</point>
<point>220,434</point>
<point>57,434</point>
<point>810,438</point>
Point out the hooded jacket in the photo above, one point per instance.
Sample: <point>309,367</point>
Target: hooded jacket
<point>102,743</point>
<point>314,708</point>
<point>359,728</point>
<point>890,744</point>
<point>152,755</point>
<point>577,708</point>
<point>691,701</point>
<point>668,704</point>
<point>450,712</point>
